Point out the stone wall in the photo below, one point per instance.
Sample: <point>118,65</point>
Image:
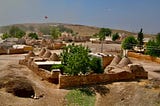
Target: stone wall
<point>143,57</point>
<point>73,81</point>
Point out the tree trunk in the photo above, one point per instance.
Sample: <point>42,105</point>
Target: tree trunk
<point>101,46</point>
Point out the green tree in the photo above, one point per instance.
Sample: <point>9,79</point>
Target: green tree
<point>33,35</point>
<point>5,36</point>
<point>75,59</point>
<point>153,46</point>
<point>115,36</point>
<point>158,38</point>
<point>54,31</point>
<point>140,38</point>
<point>102,35</point>
<point>129,42</point>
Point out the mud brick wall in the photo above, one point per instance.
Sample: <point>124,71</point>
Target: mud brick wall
<point>143,57</point>
<point>3,51</point>
<point>73,81</point>
<point>16,51</point>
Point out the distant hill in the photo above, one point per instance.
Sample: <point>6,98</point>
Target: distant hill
<point>82,30</point>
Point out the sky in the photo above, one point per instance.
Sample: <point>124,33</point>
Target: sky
<point>130,15</point>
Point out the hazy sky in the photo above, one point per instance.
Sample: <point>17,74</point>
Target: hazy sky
<point>129,15</point>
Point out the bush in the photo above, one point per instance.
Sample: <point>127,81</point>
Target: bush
<point>96,65</point>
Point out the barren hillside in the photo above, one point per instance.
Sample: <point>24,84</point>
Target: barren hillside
<point>80,29</point>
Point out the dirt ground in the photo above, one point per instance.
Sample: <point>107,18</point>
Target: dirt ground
<point>9,67</point>
<point>140,93</point>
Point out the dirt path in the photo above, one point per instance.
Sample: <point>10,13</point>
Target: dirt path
<point>51,95</point>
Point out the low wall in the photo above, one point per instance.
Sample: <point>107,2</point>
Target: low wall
<point>72,81</point>
<point>143,57</point>
<point>3,51</point>
<point>44,74</point>
<point>16,51</point>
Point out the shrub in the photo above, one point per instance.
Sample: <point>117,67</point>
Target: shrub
<point>96,65</point>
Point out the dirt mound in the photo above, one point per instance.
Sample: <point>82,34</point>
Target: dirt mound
<point>116,60</point>
<point>20,87</point>
<point>54,57</point>
<point>124,62</point>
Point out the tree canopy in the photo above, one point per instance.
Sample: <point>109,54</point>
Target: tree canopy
<point>115,36</point>
<point>140,38</point>
<point>33,35</point>
<point>76,59</point>
<point>129,42</point>
<point>104,32</point>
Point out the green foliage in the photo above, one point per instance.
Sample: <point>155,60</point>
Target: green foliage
<point>102,35</point>
<point>33,35</point>
<point>57,66</point>
<point>95,35</point>
<point>104,32</point>
<point>5,36</point>
<point>75,59</point>
<point>55,32</point>
<point>158,38</point>
<point>81,97</point>
<point>16,32</point>
<point>153,47</point>
<point>96,65</point>
<point>115,36</point>
<point>129,42</point>
<point>140,38</point>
